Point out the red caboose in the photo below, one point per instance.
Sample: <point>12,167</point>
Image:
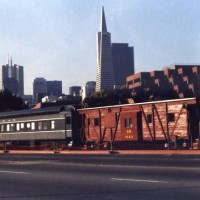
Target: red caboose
<point>164,121</point>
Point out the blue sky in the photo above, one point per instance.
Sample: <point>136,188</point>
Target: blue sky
<point>56,39</point>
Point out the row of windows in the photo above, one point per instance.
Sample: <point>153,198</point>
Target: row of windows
<point>12,127</point>
<point>128,122</point>
<point>170,118</point>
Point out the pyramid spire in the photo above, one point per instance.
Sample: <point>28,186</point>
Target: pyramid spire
<point>103,27</point>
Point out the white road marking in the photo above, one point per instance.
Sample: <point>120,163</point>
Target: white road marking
<point>138,180</point>
<point>14,172</point>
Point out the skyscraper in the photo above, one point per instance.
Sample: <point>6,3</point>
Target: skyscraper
<point>105,74</point>
<point>12,78</point>
<point>123,62</point>
<point>39,89</point>
<point>74,90</point>
<point>54,88</point>
<point>115,61</point>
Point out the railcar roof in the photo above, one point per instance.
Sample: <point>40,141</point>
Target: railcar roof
<point>39,111</point>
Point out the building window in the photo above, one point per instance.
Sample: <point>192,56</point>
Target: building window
<point>96,121</point>
<point>171,117</point>
<point>52,125</point>
<point>149,118</point>
<point>39,125</point>
<point>32,125</point>
<point>128,123</point>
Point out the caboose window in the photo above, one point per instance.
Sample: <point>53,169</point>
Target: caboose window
<point>96,121</point>
<point>149,118</point>
<point>171,117</point>
<point>52,124</point>
<point>128,123</point>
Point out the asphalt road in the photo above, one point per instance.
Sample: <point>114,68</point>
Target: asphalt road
<point>142,177</point>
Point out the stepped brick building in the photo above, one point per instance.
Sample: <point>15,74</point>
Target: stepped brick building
<point>180,80</point>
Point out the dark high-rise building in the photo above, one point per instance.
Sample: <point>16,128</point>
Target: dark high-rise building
<point>12,78</point>
<point>39,89</point>
<point>54,88</point>
<point>115,61</point>
<point>123,62</point>
<point>75,90</point>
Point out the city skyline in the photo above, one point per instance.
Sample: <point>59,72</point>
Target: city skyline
<point>57,39</point>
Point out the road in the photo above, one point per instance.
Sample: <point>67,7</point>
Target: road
<point>142,177</point>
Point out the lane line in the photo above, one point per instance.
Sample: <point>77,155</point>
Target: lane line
<point>13,172</point>
<point>138,180</point>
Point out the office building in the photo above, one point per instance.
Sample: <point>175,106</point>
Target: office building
<point>54,88</point>
<point>115,61</point>
<point>88,89</point>
<point>74,90</point>
<point>12,78</point>
<point>105,74</point>
<point>123,62</point>
<point>39,89</point>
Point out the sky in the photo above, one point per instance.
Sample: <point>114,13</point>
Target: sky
<point>56,39</point>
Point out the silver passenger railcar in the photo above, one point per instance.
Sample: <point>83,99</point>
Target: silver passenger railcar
<point>32,127</point>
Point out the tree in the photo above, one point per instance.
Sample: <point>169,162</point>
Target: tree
<point>9,101</point>
<point>107,98</point>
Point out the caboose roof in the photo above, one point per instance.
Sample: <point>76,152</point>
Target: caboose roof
<point>143,103</point>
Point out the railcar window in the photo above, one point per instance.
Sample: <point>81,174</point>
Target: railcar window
<point>32,125</point>
<point>39,125</point>
<point>96,121</point>
<point>128,123</point>
<point>52,124</point>
<point>8,127</point>
<point>22,125</point>
<point>28,125</point>
<point>12,127</point>
<point>18,127</point>
<point>44,126</point>
<point>2,128</point>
